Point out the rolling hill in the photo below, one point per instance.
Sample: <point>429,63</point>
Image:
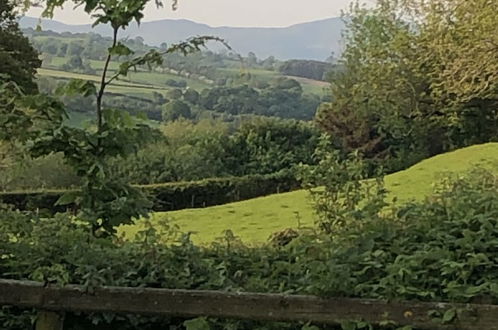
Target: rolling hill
<point>314,40</point>
<point>255,220</point>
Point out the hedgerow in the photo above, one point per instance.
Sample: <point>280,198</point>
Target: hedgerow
<point>175,195</point>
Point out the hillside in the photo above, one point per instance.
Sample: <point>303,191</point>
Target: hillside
<point>314,40</point>
<point>255,220</point>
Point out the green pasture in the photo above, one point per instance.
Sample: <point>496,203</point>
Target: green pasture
<point>255,220</point>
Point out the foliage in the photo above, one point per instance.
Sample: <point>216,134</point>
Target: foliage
<point>440,249</point>
<point>344,196</point>
<point>175,110</point>
<point>268,145</point>
<point>307,69</point>
<point>18,59</point>
<point>462,40</point>
<point>211,148</point>
<point>176,83</point>
<point>282,98</point>
<point>49,172</point>
<point>374,101</point>
<point>395,93</point>
<point>103,200</point>
<point>164,197</point>
<point>76,64</point>
<point>185,151</point>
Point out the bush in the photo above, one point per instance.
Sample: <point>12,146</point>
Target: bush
<point>41,173</point>
<point>175,196</point>
<point>305,68</point>
<point>440,249</point>
<point>176,83</point>
<point>175,110</point>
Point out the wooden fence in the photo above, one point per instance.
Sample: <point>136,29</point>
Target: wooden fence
<point>52,301</point>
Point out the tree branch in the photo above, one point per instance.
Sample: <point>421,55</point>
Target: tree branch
<point>103,82</point>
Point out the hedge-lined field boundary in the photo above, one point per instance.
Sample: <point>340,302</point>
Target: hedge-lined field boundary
<point>176,195</point>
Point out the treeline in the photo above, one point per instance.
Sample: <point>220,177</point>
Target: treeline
<point>282,97</point>
<point>187,151</point>
<point>90,46</point>
<point>93,46</point>
<point>307,69</point>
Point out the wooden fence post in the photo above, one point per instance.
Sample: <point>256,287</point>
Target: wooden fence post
<point>49,321</point>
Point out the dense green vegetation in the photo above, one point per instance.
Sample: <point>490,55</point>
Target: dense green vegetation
<point>307,69</point>
<point>18,59</point>
<point>403,90</point>
<point>184,150</point>
<point>254,86</point>
<point>424,97</point>
<point>167,196</point>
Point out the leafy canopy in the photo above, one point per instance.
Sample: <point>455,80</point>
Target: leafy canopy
<point>416,78</point>
<point>18,59</point>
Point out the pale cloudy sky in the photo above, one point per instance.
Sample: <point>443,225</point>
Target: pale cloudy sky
<point>261,13</point>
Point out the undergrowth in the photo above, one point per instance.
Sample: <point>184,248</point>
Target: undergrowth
<point>444,248</point>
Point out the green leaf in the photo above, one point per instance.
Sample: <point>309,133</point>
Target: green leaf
<point>120,50</point>
<point>78,87</point>
<point>449,315</point>
<point>199,323</point>
<point>67,198</point>
<point>348,325</point>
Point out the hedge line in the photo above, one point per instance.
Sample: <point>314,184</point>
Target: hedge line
<point>176,195</point>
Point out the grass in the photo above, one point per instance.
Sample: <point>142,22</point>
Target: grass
<point>255,220</point>
<point>312,86</point>
<point>157,79</point>
<point>121,86</point>
<point>309,85</point>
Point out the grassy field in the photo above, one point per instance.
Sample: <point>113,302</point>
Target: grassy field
<point>312,86</point>
<point>255,220</point>
<point>309,85</point>
<point>120,86</point>
<point>158,79</point>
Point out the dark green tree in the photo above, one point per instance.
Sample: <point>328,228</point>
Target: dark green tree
<point>191,96</point>
<point>18,59</point>
<point>174,94</point>
<point>175,110</point>
<point>416,78</point>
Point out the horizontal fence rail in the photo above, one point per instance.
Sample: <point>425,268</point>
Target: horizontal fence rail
<point>252,306</point>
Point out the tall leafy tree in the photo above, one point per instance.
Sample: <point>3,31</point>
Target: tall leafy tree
<point>104,200</point>
<point>18,59</point>
<point>417,78</point>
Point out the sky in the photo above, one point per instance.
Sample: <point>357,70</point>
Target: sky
<point>240,13</point>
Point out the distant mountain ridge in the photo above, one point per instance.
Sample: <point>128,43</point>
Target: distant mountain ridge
<point>314,40</point>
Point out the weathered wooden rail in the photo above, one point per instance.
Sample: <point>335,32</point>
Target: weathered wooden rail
<point>53,301</point>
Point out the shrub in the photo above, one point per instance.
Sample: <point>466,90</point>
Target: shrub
<point>346,196</point>
<point>440,249</point>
